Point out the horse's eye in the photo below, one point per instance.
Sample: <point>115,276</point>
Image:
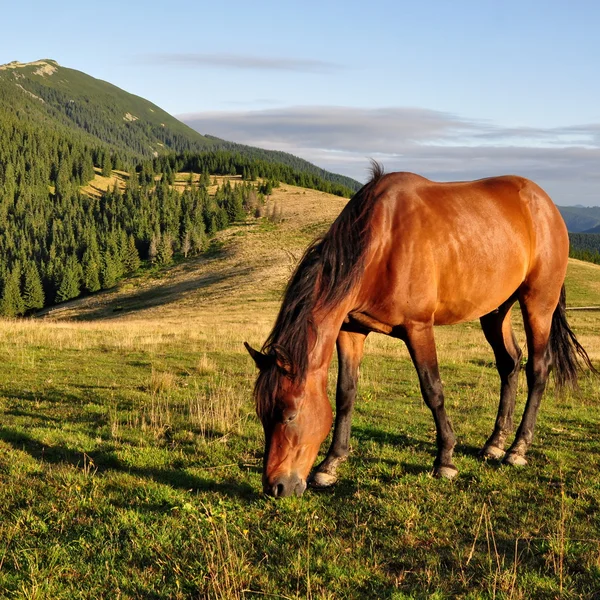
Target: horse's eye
<point>288,415</point>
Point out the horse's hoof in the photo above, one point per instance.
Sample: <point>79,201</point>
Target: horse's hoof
<point>445,472</point>
<point>515,460</point>
<point>492,452</point>
<point>322,480</point>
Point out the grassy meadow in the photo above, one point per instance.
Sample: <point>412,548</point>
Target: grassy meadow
<point>130,454</point>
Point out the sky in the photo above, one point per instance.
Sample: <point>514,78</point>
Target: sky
<point>449,89</point>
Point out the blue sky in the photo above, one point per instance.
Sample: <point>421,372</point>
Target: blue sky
<point>449,89</point>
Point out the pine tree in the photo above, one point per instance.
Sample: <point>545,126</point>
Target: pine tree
<point>110,270</point>
<point>33,292</point>
<point>164,254</point>
<point>153,248</point>
<point>11,304</point>
<point>106,165</point>
<point>91,270</point>
<point>186,244</point>
<point>131,257</point>
<point>70,282</point>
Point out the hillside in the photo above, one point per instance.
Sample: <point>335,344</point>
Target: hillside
<point>246,263</point>
<point>95,112</point>
<point>62,235</point>
<point>48,93</point>
<point>581,219</point>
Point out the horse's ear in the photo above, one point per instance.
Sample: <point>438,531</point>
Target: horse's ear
<point>283,360</point>
<point>261,360</point>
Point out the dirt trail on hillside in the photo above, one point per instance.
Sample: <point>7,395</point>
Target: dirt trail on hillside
<point>248,263</point>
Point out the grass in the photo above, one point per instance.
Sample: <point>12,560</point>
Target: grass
<point>130,456</point>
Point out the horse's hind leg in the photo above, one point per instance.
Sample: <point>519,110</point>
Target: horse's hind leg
<point>498,332</point>
<point>421,345</point>
<point>350,351</point>
<point>537,318</point>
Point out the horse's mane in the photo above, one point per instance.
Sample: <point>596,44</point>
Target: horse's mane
<point>328,270</point>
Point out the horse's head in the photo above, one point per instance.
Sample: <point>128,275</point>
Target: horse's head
<point>296,418</point>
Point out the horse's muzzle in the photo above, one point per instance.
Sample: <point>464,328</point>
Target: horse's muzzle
<point>285,485</point>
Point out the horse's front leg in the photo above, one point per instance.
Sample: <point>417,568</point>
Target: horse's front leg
<point>421,345</point>
<point>350,351</point>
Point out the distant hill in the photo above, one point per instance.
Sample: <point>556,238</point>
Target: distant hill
<point>581,218</point>
<point>75,106</point>
<point>55,96</point>
<point>283,158</point>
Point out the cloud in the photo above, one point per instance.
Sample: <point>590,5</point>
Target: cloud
<point>222,60</point>
<point>332,127</point>
<point>439,145</point>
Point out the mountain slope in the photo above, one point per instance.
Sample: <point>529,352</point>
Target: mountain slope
<point>278,157</point>
<point>90,111</point>
<point>581,218</point>
<point>52,94</point>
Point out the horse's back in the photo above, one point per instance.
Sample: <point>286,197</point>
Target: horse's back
<point>457,250</point>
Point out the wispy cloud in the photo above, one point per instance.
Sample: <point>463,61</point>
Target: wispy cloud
<point>439,145</point>
<point>222,60</point>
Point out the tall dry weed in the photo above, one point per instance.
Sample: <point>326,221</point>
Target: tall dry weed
<point>215,409</point>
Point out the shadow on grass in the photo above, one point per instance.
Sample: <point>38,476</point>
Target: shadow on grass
<point>50,395</point>
<point>107,460</point>
<point>404,441</point>
<point>137,301</point>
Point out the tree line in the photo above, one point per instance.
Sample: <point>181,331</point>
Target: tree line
<point>585,246</point>
<point>226,162</point>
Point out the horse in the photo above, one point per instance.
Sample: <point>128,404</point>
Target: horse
<point>404,255</point>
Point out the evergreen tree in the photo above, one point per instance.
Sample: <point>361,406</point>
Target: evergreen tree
<point>33,292</point>
<point>110,270</point>
<point>186,244</point>
<point>12,304</point>
<point>153,248</point>
<point>164,254</point>
<point>70,282</point>
<point>91,270</point>
<point>106,165</point>
<point>131,258</point>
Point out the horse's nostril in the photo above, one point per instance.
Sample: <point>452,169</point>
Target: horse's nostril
<point>278,490</point>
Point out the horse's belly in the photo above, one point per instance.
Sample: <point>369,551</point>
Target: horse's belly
<point>467,294</point>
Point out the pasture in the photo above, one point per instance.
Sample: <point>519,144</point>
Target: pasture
<point>130,454</point>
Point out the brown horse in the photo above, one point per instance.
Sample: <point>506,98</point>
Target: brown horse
<point>406,254</point>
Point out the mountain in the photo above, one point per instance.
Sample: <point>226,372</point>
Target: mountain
<point>581,218</point>
<point>91,111</point>
<point>593,230</point>
<point>94,110</point>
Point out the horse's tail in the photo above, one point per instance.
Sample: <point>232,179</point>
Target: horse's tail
<point>567,352</point>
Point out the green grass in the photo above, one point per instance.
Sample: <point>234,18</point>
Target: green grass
<point>120,479</point>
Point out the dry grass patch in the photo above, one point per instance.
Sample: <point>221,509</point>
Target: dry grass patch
<point>162,382</point>
<point>101,184</point>
<point>215,409</point>
<point>205,365</point>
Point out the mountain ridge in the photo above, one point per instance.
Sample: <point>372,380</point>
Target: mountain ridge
<point>581,219</point>
<point>95,111</point>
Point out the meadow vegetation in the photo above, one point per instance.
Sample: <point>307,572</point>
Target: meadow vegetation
<point>130,454</point>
